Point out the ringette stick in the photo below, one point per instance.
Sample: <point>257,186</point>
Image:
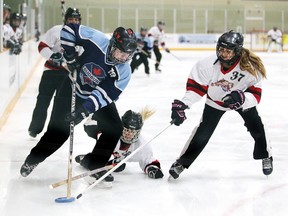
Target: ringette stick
<point>68,198</point>
<point>123,161</point>
<point>88,173</point>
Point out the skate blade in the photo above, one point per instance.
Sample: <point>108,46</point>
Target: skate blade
<point>170,178</point>
<point>103,184</point>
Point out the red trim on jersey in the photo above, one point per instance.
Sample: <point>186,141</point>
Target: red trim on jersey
<point>154,163</point>
<point>256,91</point>
<point>231,68</point>
<point>192,85</point>
<point>220,103</point>
<point>51,66</point>
<point>41,46</point>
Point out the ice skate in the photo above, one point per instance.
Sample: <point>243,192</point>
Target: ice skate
<point>27,168</point>
<point>91,179</point>
<point>158,70</point>
<point>267,166</point>
<point>175,170</point>
<point>106,183</point>
<point>79,158</point>
<point>32,134</point>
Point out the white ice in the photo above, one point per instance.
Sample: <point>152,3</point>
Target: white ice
<point>223,181</point>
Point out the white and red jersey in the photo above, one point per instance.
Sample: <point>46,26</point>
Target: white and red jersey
<point>157,36</point>
<point>49,45</point>
<point>144,157</point>
<point>207,77</point>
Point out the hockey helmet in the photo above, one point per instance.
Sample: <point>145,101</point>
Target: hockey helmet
<point>6,7</point>
<point>233,41</point>
<point>132,125</point>
<point>72,13</point>
<point>161,24</point>
<point>124,40</point>
<point>15,20</point>
<point>143,31</point>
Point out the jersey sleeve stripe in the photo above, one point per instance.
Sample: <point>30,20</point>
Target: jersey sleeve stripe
<point>192,85</point>
<point>256,91</point>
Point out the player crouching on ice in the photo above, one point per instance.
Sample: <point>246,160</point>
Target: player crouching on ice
<point>130,140</point>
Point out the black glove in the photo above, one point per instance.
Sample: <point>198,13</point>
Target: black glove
<point>154,172</point>
<point>234,100</point>
<point>17,49</point>
<point>167,50</point>
<point>178,113</point>
<point>56,59</point>
<point>77,116</point>
<point>71,61</point>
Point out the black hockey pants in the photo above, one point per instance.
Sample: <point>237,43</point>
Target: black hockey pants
<point>210,118</point>
<point>137,60</point>
<point>158,56</point>
<point>110,125</point>
<point>58,131</point>
<point>51,81</point>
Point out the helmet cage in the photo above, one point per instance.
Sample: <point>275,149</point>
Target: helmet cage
<point>130,136</point>
<point>233,41</point>
<point>132,125</point>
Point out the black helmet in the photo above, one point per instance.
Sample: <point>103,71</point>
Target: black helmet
<point>124,40</point>
<point>6,7</point>
<point>132,124</point>
<point>72,13</point>
<point>161,22</point>
<point>15,17</point>
<point>143,28</point>
<point>230,40</point>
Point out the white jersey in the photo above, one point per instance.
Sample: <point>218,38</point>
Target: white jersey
<point>144,157</point>
<point>157,36</point>
<point>275,35</point>
<point>51,43</point>
<point>207,77</point>
<point>9,33</point>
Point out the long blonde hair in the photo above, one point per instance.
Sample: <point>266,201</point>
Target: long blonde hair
<point>252,63</point>
<point>146,112</point>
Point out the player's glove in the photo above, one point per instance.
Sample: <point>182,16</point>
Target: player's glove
<point>234,100</point>
<point>56,59</point>
<point>167,50</point>
<point>153,170</point>
<point>178,114</point>
<point>71,61</point>
<point>17,49</point>
<point>77,116</point>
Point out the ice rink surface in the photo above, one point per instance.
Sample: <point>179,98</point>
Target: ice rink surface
<point>223,181</point>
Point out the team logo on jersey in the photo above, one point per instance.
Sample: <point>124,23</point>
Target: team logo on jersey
<point>92,74</point>
<point>224,84</point>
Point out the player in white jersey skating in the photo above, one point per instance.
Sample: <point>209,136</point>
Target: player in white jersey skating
<point>231,79</point>
<point>275,37</point>
<point>157,35</point>
<point>54,74</point>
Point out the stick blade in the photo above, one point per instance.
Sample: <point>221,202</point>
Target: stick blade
<point>65,199</point>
